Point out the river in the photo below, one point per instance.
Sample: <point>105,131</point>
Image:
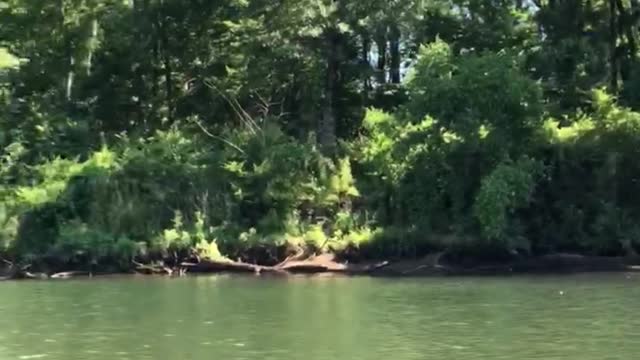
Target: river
<point>585,317</point>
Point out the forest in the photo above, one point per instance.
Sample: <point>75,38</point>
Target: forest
<point>378,129</point>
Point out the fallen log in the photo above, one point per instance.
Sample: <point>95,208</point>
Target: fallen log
<point>17,273</point>
<point>9,272</point>
<point>377,266</point>
<point>33,276</point>
<point>70,274</point>
<point>325,263</point>
<point>298,256</point>
<point>212,266</point>
<point>314,265</point>
<point>153,269</point>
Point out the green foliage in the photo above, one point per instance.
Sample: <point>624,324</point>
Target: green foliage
<point>316,237</point>
<point>341,184</point>
<point>208,250</point>
<point>468,92</point>
<point>175,193</point>
<point>508,187</point>
<point>174,238</point>
<point>77,243</point>
<point>357,238</point>
<point>465,113</point>
<point>8,227</point>
<point>587,201</point>
<point>7,61</point>
<point>446,112</point>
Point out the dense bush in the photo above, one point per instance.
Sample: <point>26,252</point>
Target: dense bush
<point>174,192</point>
<point>470,155</point>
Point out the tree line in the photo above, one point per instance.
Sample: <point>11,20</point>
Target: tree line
<point>133,128</point>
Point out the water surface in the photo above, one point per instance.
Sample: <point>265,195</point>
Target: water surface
<point>586,317</point>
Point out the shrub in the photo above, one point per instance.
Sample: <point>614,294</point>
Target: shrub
<point>508,187</point>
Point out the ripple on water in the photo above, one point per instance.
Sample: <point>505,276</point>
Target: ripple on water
<point>34,356</point>
<point>90,314</point>
<point>435,328</point>
<point>457,347</point>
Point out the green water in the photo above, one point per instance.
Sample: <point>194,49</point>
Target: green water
<point>595,317</point>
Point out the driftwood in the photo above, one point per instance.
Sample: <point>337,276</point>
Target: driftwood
<point>70,274</point>
<point>298,263</point>
<point>314,264</point>
<point>325,263</point>
<point>431,264</point>
<point>14,272</point>
<point>210,266</point>
<point>35,276</point>
<point>153,269</point>
<point>301,263</point>
<point>298,256</point>
<point>375,267</point>
<point>6,274</point>
<point>7,262</point>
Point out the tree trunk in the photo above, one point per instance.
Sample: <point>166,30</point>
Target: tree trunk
<point>366,48</point>
<point>612,164</point>
<point>151,25</point>
<point>394,50</point>
<point>154,66</point>
<point>142,24</point>
<point>68,91</point>
<point>69,79</point>
<point>91,43</point>
<point>166,62</point>
<point>625,27</point>
<point>327,126</point>
<point>381,42</point>
<point>613,49</point>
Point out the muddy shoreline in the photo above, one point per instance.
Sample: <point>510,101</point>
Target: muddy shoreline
<point>327,264</point>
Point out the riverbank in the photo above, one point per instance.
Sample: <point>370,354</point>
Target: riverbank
<point>439,264</point>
